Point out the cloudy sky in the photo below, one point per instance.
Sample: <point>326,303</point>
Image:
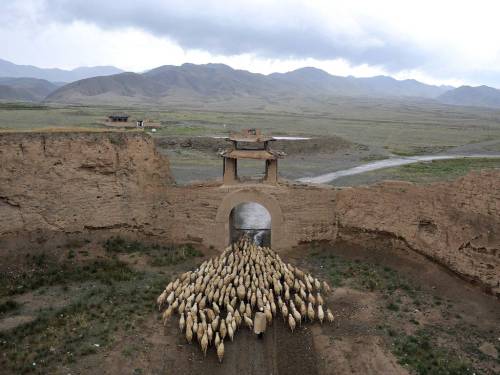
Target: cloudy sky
<point>435,41</point>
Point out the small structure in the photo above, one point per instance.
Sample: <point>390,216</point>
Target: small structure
<point>250,144</point>
<point>118,118</point>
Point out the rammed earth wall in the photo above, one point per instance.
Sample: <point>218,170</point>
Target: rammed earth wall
<point>54,184</point>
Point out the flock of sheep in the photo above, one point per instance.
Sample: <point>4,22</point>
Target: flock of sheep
<point>244,282</point>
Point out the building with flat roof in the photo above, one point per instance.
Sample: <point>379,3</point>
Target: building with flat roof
<point>118,118</point>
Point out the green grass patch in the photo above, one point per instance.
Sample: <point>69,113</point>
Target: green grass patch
<point>8,306</point>
<point>442,169</point>
<point>43,270</point>
<point>159,255</point>
<point>76,243</point>
<point>20,106</point>
<point>422,356</point>
<point>119,300</point>
<point>364,275</point>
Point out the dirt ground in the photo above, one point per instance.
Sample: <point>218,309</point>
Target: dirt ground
<point>382,300</point>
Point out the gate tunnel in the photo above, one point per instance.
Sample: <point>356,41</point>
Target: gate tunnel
<point>252,220</point>
<point>238,204</point>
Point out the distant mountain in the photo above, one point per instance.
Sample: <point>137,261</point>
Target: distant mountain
<point>480,96</point>
<point>210,82</point>
<point>379,86</point>
<point>8,69</point>
<point>25,89</point>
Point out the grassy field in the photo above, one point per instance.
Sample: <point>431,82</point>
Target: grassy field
<point>82,301</point>
<point>424,172</point>
<point>402,127</point>
<point>376,129</point>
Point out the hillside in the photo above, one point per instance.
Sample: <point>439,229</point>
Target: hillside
<point>481,96</point>
<point>215,82</point>
<point>26,89</point>
<point>379,86</point>
<point>9,69</point>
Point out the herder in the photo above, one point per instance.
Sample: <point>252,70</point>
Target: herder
<point>259,323</point>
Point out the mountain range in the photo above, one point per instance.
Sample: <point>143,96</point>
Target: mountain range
<point>25,89</point>
<point>481,96</point>
<point>9,69</point>
<point>190,83</point>
<point>218,82</point>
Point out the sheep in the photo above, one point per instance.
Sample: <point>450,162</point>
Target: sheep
<point>225,291</point>
<point>189,334</point>
<point>215,323</point>
<point>220,351</point>
<point>204,344</point>
<point>161,299</point>
<point>182,323</point>
<point>200,332</point>
<point>284,312</point>
<point>210,334</point>
<point>310,312</point>
<point>166,315</point>
<point>223,329</point>
<point>248,322</point>
<point>326,287</point>
<point>170,298</point>
<point>291,322</point>
<point>329,315</point>
<point>319,299</point>
<point>237,317</point>
<point>241,292</point>
<point>321,315</point>
<point>297,316</point>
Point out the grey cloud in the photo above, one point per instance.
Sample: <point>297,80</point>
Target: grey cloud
<point>286,32</point>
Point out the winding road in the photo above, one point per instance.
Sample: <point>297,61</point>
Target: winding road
<point>387,163</point>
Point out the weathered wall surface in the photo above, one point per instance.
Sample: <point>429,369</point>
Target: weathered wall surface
<point>70,182</point>
<point>202,212</point>
<point>456,224</point>
<point>78,182</point>
<point>53,183</point>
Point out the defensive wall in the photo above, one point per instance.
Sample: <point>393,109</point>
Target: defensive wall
<point>81,183</point>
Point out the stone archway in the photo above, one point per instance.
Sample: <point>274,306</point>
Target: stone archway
<point>248,195</point>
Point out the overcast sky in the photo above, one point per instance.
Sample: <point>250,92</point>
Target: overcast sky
<point>435,41</point>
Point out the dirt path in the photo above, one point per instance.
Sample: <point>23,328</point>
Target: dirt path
<point>166,351</point>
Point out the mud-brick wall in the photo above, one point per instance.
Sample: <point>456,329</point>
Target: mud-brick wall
<point>58,183</point>
<point>298,213</point>
<point>456,224</point>
<point>72,182</point>
<point>101,183</point>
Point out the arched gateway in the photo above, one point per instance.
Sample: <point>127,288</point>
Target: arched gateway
<point>249,144</point>
<point>233,199</point>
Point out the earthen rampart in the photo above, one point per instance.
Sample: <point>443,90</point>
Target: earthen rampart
<point>54,184</point>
